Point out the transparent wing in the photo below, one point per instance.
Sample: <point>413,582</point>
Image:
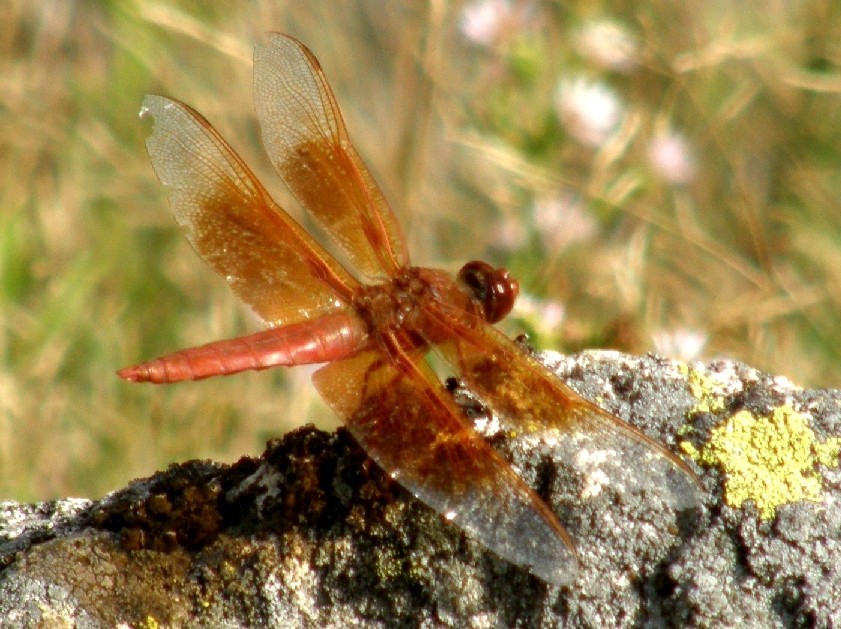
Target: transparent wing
<point>398,412</point>
<point>308,143</point>
<point>269,261</point>
<point>530,399</point>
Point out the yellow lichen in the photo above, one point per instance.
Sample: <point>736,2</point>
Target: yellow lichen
<point>708,390</point>
<point>769,460</point>
<point>690,450</point>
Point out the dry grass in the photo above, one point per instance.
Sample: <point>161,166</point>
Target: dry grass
<point>744,253</point>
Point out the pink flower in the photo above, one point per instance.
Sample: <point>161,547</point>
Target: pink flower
<point>671,158</point>
<point>481,21</point>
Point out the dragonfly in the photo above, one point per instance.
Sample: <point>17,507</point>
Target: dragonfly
<point>372,317</point>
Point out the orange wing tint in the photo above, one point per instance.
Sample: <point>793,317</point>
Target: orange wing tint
<point>306,139</point>
<point>398,412</point>
<point>270,262</point>
<point>530,399</point>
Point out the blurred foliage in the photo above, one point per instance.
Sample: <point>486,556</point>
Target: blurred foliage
<point>666,170</point>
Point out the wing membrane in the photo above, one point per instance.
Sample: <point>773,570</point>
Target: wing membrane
<point>269,261</point>
<point>397,411</point>
<point>529,398</point>
<point>308,143</point>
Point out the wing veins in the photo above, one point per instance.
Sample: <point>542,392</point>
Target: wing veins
<point>529,397</point>
<point>233,223</point>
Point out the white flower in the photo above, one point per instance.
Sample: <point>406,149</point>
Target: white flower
<point>681,343</point>
<point>671,158</point>
<point>589,111</point>
<point>563,220</point>
<point>609,44</point>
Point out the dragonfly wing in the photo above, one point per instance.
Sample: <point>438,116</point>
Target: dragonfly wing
<point>400,414</point>
<point>529,399</point>
<point>269,261</point>
<point>306,138</point>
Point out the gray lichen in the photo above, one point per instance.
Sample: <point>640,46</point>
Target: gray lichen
<point>312,534</point>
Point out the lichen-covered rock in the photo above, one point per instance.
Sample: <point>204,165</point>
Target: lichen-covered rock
<point>312,534</point>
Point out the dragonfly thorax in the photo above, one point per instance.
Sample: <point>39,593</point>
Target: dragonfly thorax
<point>398,303</point>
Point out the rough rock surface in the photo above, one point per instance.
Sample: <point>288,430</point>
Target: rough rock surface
<point>312,534</point>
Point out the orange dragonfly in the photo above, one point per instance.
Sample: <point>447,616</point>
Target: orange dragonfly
<point>374,319</point>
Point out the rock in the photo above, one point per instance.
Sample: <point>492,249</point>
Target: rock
<point>312,534</point>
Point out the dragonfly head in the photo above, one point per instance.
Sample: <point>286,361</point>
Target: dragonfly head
<point>494,289</point>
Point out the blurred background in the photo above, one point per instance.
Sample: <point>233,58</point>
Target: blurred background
<point>661,176</point>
